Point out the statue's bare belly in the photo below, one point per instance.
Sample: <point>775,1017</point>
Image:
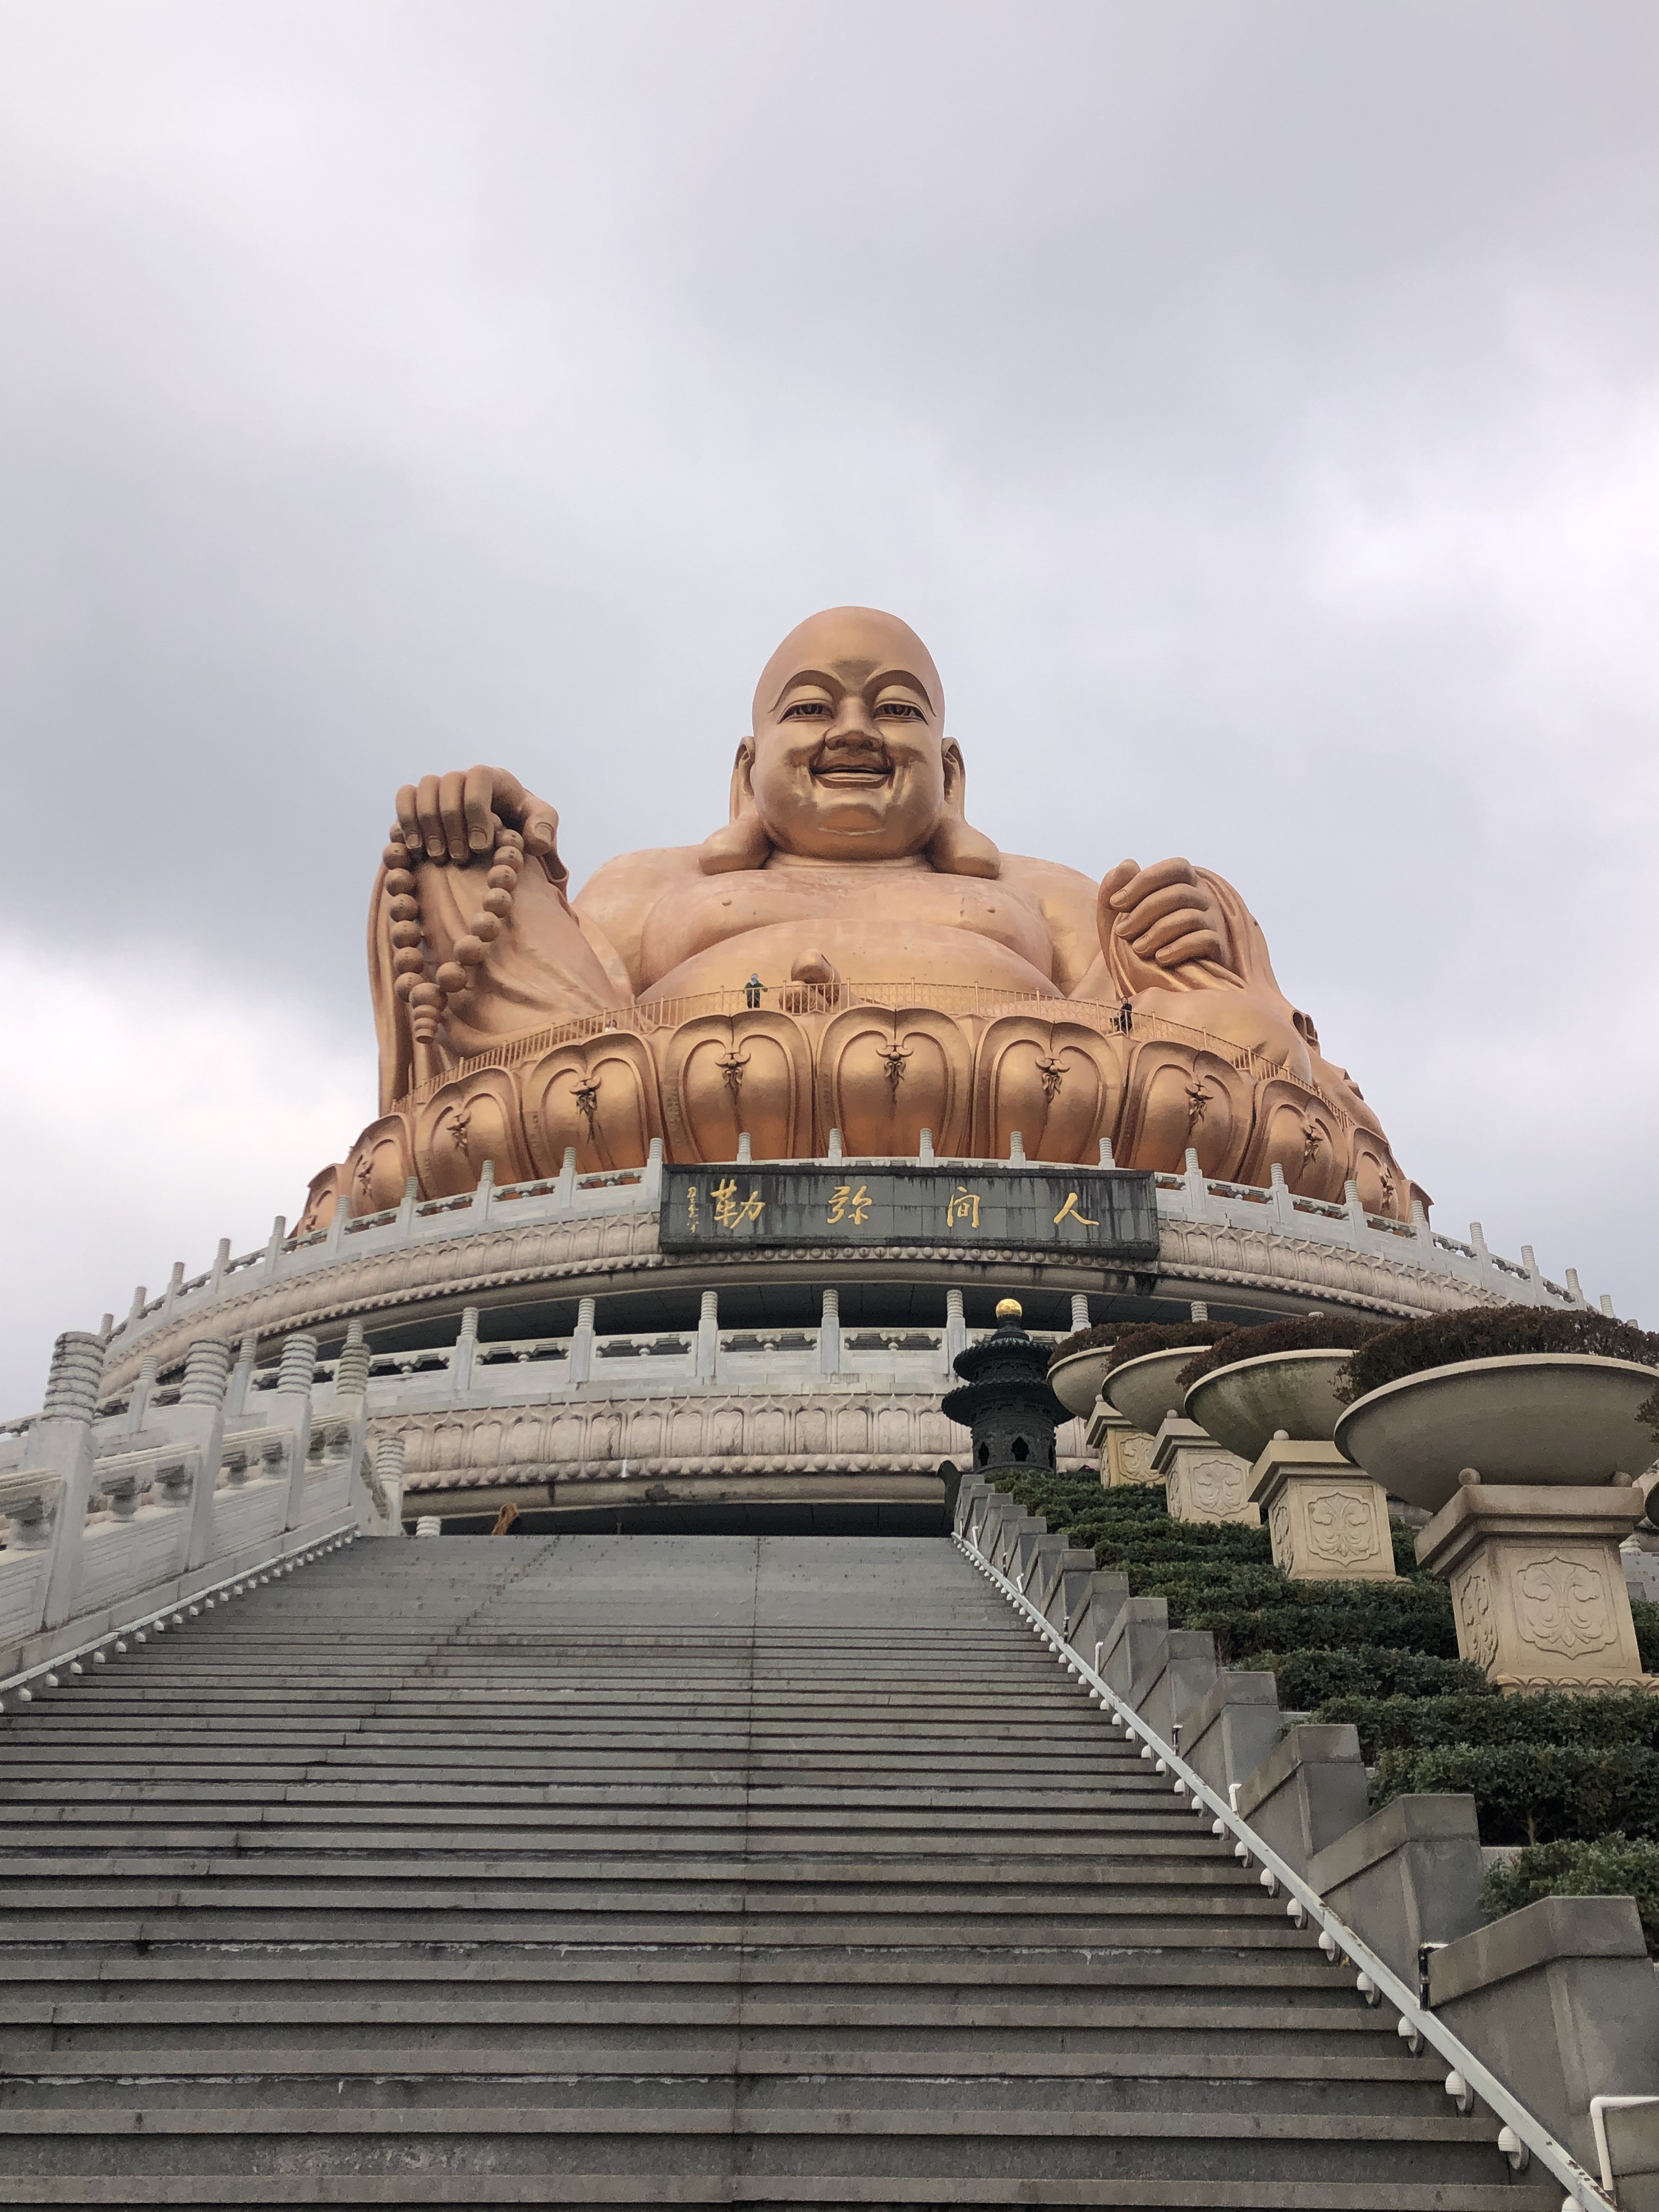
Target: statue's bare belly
<point>873,924</point>
<point>920,956</point>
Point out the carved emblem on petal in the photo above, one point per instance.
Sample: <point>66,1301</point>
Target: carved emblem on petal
<point>1059,1083</point>
<point>726,1076</point>
<point>599,1094</point>
<point>886,1074</point>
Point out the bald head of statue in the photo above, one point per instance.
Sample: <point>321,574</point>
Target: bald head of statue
<point>848,759</point>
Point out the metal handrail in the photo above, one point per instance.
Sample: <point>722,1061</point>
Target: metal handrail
<point>1375,1978</point>
<point>339,1531</point>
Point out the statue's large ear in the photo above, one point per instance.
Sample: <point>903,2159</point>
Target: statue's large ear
<point>957,848</point>
<point>743,843</point>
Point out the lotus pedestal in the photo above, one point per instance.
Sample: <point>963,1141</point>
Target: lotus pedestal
<point>1328,1521</point>
<point>1126,1452</point>
<point>1202,1481</point>
<point>1537,1585</point>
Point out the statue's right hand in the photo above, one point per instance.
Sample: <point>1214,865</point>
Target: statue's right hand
<point>455,816</point>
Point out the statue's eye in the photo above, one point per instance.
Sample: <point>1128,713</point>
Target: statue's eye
<point>805,708</point>
<point>901,708</point>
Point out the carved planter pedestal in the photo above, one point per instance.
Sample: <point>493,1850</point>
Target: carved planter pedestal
<point>1202,1481</point>
<point>1126,1452</point>
<point>1328,1521</point>
<point>1537,1585</point>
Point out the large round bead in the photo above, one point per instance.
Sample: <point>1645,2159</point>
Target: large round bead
<point>501,878</point>
<point>486,928</point>
<point>405,985</point>
<point>405,910</point>
<point>510,841</point>
<point>451,976</point>
<point>469,951</point>
<point>407,961</point>
<point>406,933</point>
<point>498,901</point>
<point>395,856</point>
<point>398,881</point>
<point>427,996</point>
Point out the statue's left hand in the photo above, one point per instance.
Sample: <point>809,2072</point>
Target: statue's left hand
<point>1166,912</point>
<point>455,816</point>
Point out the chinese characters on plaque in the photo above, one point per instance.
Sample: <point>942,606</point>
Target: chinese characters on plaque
<point>1111,1212</point>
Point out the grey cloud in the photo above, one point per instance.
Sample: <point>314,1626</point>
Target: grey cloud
<point>1254,407</point>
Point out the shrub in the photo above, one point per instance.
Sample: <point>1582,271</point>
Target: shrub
<point>1325,1617</point>
<point>1646,1614</point>
<point>1493,1333</point>
<point>1327,1333</point>
<point>1166,1336</point>
<point>1531,1793</point>
<point>1308,1680</point>
<point>1613,1865</point>
<point>1597,1721</point>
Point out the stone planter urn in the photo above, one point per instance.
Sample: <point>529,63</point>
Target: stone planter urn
<point>1079,1381</point>
<point>1328,1519</point>
<point>1528,1463</point>
<point>1202,1480</point>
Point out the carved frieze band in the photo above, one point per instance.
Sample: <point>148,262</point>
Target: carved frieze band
<point>608,1244</point>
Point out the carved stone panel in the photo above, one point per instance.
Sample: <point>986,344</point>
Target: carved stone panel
<point>1203,1483</point>
<point>1302,1135</point>
<point>599,1094</point>
<point>1477,1616</point>
<point>731,1075</point>
<point>884,1075</point>
<point>469,1121</point>
<point>1058,1084</point>
<point>1326,1528</point>
<point>1180,1096</point>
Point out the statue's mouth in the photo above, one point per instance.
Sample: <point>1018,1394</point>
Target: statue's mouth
<point>859,772</point>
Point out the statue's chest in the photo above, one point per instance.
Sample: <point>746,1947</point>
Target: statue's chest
<point>720,907</point>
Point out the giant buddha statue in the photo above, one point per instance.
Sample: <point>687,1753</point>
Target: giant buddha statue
<point>847,951</point>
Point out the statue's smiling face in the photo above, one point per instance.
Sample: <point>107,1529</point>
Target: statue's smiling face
<point>848,759</point>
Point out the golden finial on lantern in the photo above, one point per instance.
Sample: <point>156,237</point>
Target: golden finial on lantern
<point>1009,1310</point>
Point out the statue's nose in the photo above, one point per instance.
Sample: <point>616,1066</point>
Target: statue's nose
<point>853,727</point>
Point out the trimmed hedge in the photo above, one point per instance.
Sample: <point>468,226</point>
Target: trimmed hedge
<point>1329,1333</point>
<point>1310,1680</point>
<point>1493,1333</point>
<point>1613,1865</point>
<point>1528,1793</point>
<point>1166,1336</point>
<point>1591,1720</point>
<point>1646,1614</point>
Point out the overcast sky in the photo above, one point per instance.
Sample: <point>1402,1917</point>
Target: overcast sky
<point>1256,407</point>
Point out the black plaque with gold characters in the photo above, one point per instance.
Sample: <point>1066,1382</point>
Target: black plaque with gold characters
<point>1111,1213</point>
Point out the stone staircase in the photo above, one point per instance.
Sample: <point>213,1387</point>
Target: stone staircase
<point>651,1870</point>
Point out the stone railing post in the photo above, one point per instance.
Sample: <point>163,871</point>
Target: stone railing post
<point>955,1330</point>
<point>241,1376</point>
<point>291,1410</point>
<point>387,1488</point>
<point>138,1407</point>
<point>708,1337</point>
<point>61,1442</point>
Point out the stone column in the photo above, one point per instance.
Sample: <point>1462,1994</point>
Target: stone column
<point>389,1485</point>
<point>1079,1310</point>
<point>138,1406</point>
<point>581,1343</point>
<point>708,1337</point>
<point>241,1376</point>
<point>955,1330</point>
<point>291,1410</point>
<point>1537,1583</point>
<point>199,1419</point>
<point>1202,1481</point>
<point>1328,1519</point>
<point>61,1442</point>
<point>460,1359</point>
<point>830,1335</point>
